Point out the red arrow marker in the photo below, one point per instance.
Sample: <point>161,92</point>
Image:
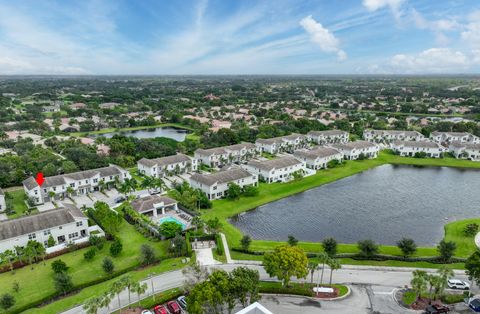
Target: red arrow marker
<point>40,179</point>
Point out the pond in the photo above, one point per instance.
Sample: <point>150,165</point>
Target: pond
<point>383,204</point>
<point>176,134</point>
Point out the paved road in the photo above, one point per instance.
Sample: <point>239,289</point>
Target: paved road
<point>371,289</point>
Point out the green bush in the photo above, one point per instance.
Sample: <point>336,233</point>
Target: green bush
<point>90,254</point>
<point>470,230</point>
<point>218,240</point>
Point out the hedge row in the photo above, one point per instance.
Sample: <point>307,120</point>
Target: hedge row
<point>188,244</point>
<point>218,240</point>
<point>376,257</point>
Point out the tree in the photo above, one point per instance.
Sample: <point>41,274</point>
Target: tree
<point>324,259</point>
<point>312,266</point>
<point>471,230</point>
<point>472,266</point>
<point>7,301</point>
<point>177,245</point>
<point>194,274</point>
<point>446,249</point>
<point>116,247</point>
<point>8,256</point>
<point>51,241</point>
<point>139,289</point>
<point>250,191</point>
<point>63,282</point>
<point>108,265</point>
<point>246,284</point>
<point>292,241</point>
<point>286,261</point>
<point>367,248</point>
<point>245,242</point>
<point>419,282</point>
<point>90,254</point>
<point>234,191</point>
<point>59,266</point>
<point>334,265</point>
<point>92,305</point>
<point>407,246</point>
<point>170,228</point>
<point>147,254</point>
<point>116,288</point>
<point>214,225</point>
<point>330,246</point>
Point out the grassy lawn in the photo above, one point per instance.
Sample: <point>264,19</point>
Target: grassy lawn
<point>19,205</point>
<point>224,209</point>
<point>136,128</point>
<point>82,271</point>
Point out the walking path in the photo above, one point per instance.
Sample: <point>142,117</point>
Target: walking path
<point>226,249</point>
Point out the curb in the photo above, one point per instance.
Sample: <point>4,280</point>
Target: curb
<point>311,298</point>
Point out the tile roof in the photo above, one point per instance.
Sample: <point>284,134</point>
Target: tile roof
<point>164,161</point>
<point>147,203</point>
<point>319,152</point>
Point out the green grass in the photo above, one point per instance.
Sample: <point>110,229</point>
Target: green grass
<point>268,155</point>
<point>136,128</point>
<point>224,209</point>
<point>82,271</point>
<point>19,205</point>
<point>454,232</point>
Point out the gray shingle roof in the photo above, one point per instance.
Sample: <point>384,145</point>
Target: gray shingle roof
<point>164,161</point>
<point>276,163</point>
<point>146,203</point>
<point>225,149</point>
<point>435,133</point>
<point>354,145</point>
<point>326,133</point>
<point>316,152</point>
<point>280,139</point>
<point>30,183</point>
<point>465,145</point>
<point>395,132</point>
<point>223,176</point>
<point>45,220</point>
<point>422,144</point>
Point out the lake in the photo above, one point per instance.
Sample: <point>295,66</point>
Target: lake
<point>176,134</point>
<point>383,204</point>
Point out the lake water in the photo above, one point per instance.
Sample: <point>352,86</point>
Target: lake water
<point>383,204</point>
<point>170,132</point>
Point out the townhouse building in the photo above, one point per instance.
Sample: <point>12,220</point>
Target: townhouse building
<point>288,143</point>
<point>465,150</point>
<point>65,224</point>
<point>275,170</point>
<point>388,136</point>
<point>72,184</point>
<point>450,137</point>
<point>354,150</point>
<point>411,148</point>
<point>318,157</point>
<point>215,185</point>
<point>328,137</point>
<point>227,155</point>
<point>167,166</point>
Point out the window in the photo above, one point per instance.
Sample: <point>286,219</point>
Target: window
<point>72,185</point>
<point>60,227</point>
<point>95,180</point>
<point>79,223</point>
<point>32,236</point>
<point>45,243</point>
<point>55,188</point>
<point>46,232</point>
<point>73,235</point>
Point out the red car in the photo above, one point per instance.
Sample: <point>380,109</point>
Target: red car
<point>160,309</point>
<point>174,307</point>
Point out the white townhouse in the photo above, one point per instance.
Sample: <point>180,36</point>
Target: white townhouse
<point>318,157</point>
<point>410,148</point>
<point>275,170</point>
<point>328,137</point>
<point>65,224</point>
<point>449,137</point>
<point>465,150</point>
<point>227,155</point>
<point>288,143</point>
<point>154,205</point>
<point>166,166</point>
<point>388,136</point>
<point>3,204</point>
<point>353,150</point>
<point>77,183</point>
<point>215,185</point>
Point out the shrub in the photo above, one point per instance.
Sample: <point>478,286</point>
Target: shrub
<point>97,241</point>
<point>116,248</point>
<point>245,242</point>
<point>407,246</point>
<point>169,229</point>
<point>330,246</point>
<point>59,266</point>
<point>446,249</point>
<point>147,254</point>
<point>367,248</point>
<point>108,265</point>
<point>218,240</point>
<point>250,191</point>
<point>470,230</point>
<point>90,254</point>
<point>6,301</point>
<point>63,283</point>
<point>420,155</point>
<point>292,241</point>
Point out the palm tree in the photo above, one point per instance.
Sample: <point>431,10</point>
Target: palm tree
<point>324,259</point>
<point>419,282</point>
<point>8,256</point>
<point>147,183</point>
<point>158,183</point>
<point>92,305</point>
<point>105,300</point>
<point>116,288</point>
<point>197,222</point>
<point>139,289</point>
<point>70,191</point>
<point>311,267</point>
<point>334,265</point>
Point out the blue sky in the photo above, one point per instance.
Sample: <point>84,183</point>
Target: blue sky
<point>240,37</point>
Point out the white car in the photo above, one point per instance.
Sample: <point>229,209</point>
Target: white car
<point>458,284</point>
<point>147,312</point>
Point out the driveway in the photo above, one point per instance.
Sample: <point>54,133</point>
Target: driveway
<point>205,257</point>
<point>46,206</point>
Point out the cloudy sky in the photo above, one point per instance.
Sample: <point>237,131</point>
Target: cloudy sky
<point>239,37</point>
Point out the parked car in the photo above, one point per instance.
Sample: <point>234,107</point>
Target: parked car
<point>173,307</point>
<point>474,304</point>
<point>147,312</point>
<point>182,301</point>
<point>160,309</point>
<point>436,309</point>
<point>458,284</point>
<point>119,199</point>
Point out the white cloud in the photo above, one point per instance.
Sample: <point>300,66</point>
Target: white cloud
<point>438,27</point>
<point>471,35</point>
<point>433,60</point>
<point>394,5</point>
<point>322,37</point>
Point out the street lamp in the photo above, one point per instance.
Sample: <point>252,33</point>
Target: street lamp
<point>150,276</point>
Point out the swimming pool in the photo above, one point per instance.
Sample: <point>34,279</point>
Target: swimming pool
<point>170,218</point>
